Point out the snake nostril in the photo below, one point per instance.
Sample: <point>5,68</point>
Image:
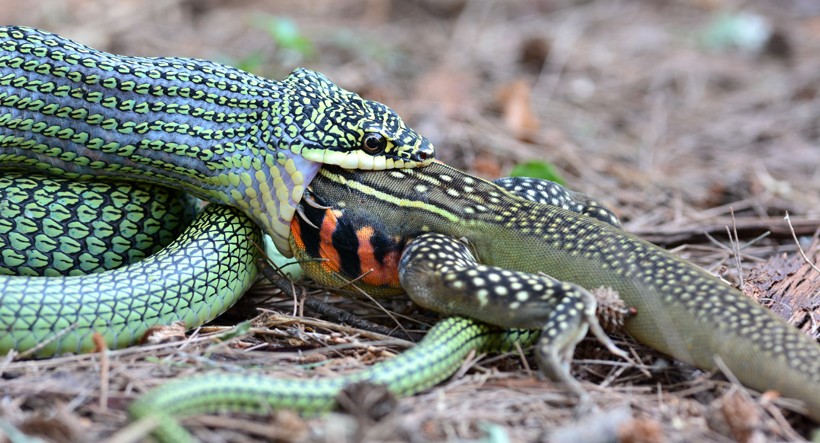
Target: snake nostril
<point>426,153</point>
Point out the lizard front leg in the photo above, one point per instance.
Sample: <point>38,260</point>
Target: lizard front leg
<point>440,273</point>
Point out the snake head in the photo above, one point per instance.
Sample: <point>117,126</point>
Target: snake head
<point>331,125</point>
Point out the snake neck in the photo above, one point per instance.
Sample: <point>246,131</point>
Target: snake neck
<point>271,195</point>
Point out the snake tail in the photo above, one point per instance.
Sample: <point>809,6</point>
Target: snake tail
<point>437,356</point>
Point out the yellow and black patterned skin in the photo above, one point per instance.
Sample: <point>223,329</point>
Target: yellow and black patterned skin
<point>470,247</point>
<point>217,132</point>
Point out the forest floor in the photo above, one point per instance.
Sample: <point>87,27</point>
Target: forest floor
<point>690,118</point>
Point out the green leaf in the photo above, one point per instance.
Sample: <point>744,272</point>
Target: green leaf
<point>285,33</point>
<point>495,433</point>
<point>537,169</point>
<point>745,32</point>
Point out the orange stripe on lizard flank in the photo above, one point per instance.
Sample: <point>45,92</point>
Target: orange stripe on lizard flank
<point>332,262</point>
<point>385,273</point>
<point>296,234</point>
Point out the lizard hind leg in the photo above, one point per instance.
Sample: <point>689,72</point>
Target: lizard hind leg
<point>553,194</point>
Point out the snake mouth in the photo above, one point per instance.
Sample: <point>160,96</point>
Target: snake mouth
<point>421,154</point>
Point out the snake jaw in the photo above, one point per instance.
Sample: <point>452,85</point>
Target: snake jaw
<point>276,200</point>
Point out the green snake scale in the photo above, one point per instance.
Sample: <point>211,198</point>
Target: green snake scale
<point>193,279</point>
<point>54,227</point>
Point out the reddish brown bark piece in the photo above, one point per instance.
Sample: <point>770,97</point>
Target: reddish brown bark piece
<point>790,287</point>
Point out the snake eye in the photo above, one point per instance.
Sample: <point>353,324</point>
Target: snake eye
<point>374,143</point>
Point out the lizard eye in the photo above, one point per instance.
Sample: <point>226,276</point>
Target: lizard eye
<point>374,143</point>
